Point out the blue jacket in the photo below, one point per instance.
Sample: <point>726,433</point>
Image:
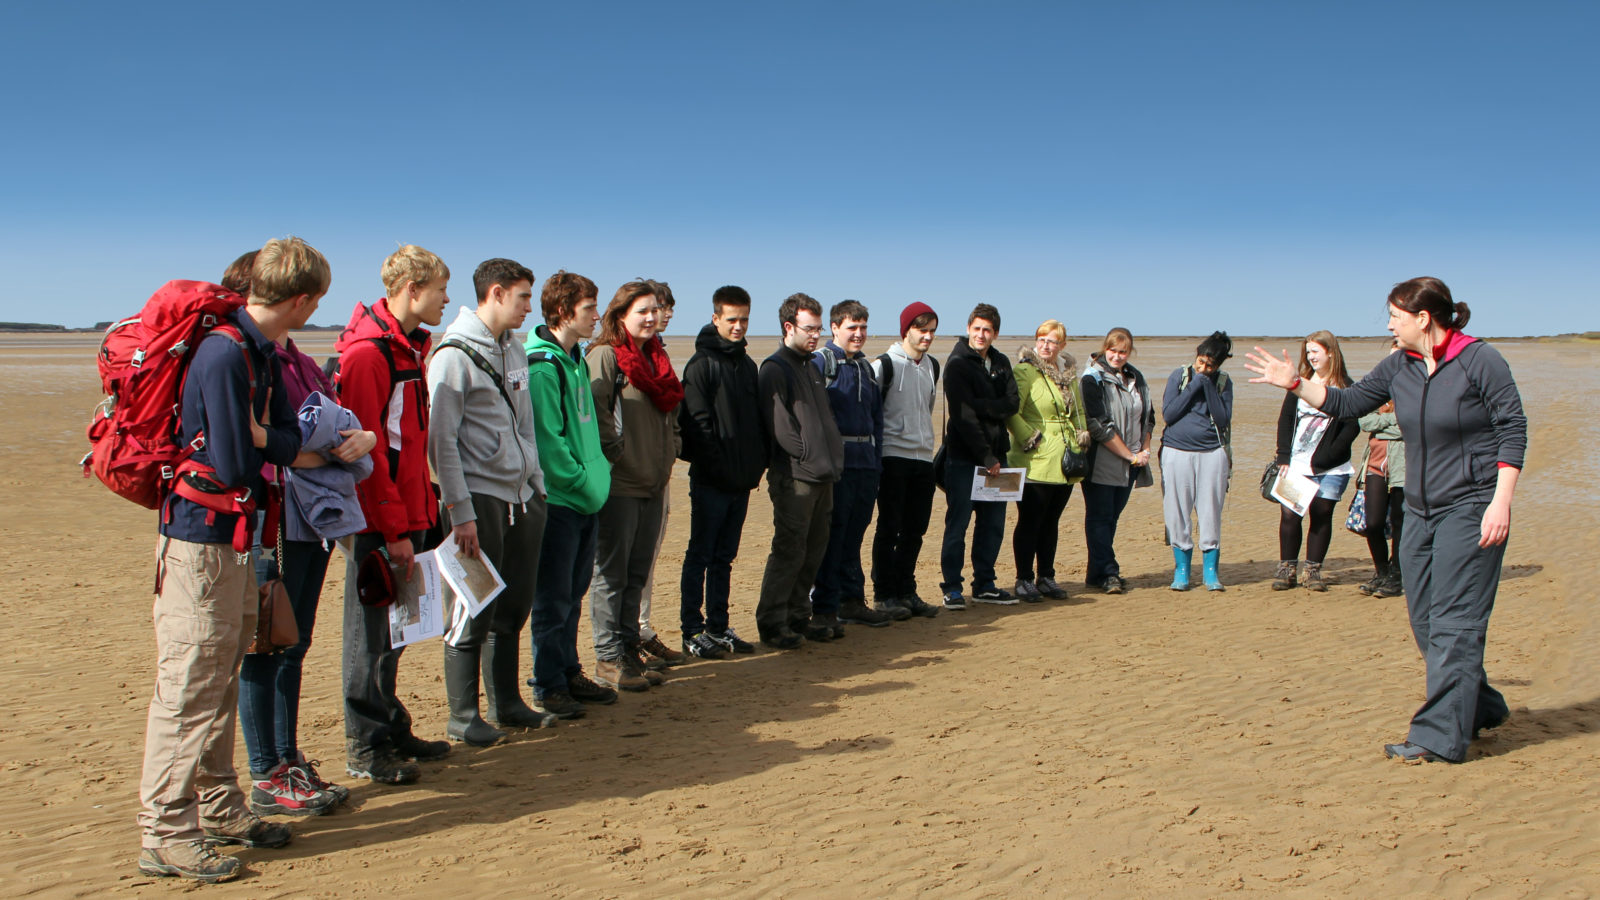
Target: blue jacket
<point>217,398</point>
<point>1198,414</point>
<point>321,503</point>
<point>857,405</point>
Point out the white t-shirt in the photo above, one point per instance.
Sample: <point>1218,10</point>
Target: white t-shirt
<point>1310,424</point>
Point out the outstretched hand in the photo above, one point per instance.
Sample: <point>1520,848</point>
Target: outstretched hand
<point>1270,369</point>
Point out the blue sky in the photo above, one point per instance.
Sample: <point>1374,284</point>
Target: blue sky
<point>1170,167</point>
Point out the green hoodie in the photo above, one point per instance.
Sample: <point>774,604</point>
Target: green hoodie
<point>576,474</point>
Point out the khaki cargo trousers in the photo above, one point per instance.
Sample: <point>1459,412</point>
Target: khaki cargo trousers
<point>205,616</point>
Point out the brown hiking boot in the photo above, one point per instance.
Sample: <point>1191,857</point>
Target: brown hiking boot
<point>657,655</point>
<point>251,831</point>
<point>617,674</point>
<point>194,860</point>
<point>1314,580</point>
<point>632,657</point>
<point>1285,578</point>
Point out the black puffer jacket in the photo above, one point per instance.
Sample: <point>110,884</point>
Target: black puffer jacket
<point>979,401</point>
<point>724,438</point>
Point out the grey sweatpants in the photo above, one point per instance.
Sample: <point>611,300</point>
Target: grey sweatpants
<point>1450,584</point>
<point>625,553</point>
<point>512,547</point>
<point>1194,482</point>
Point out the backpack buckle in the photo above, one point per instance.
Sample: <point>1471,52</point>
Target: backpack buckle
<point>199,442</point>
<point>208,320</point>
<point>138,358</point>
<point>178,348</point>
<point>167,473</point>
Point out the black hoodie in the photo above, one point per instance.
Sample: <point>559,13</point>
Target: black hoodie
<point>979,398</point>
<point>723,435</point>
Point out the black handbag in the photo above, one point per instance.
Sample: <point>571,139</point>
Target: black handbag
<point>1074,465</point>
<point>1269,480</point>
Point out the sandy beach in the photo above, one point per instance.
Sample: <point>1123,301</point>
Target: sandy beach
<point>1154,743</point>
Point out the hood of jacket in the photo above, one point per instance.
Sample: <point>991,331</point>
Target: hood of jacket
<point>710,341</point>
<point>376,322</point>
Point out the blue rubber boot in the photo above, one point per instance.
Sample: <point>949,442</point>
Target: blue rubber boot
<point>1208,562</point>
<point>1181,559</point>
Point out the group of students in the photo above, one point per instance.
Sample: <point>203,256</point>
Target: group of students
<point>552,459</point>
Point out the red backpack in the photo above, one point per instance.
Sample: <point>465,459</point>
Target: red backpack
<point>135,433</point>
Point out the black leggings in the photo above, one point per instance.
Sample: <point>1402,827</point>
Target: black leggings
<point>1318,537</point>
<point>1383,500</point>
<point>1038,527</point>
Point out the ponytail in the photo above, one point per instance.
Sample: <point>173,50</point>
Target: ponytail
<point>1432,296</point>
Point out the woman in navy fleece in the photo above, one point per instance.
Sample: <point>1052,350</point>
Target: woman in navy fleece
<point>1465,433</point>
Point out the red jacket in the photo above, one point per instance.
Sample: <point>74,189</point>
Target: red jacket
<point>383,380</point>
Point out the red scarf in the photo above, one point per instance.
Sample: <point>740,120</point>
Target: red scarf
<point>650,372</point>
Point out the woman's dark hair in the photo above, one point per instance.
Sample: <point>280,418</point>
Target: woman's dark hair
<point>1432,296</point>
<point>611,330</point>
<point>1216,348</point>
<point>237,277</point>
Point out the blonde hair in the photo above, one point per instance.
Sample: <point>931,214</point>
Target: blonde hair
<point>1119,338</point>
<point>288,267</point>
<point>1338,375</point>
<point>1051,325</point>
<point>411,264</point>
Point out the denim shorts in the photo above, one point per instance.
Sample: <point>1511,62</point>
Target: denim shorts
<point>1331,487</point>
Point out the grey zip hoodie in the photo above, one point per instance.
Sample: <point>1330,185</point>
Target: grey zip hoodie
<point>476,442</point>
<point>1460,425</point>
<point>907,405</point>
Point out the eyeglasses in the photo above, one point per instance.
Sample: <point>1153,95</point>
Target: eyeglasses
<point>810,329</point>
<point>1047,341</point>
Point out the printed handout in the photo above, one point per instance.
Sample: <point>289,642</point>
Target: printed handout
<point>474,580</point>
<point>418,612</point>
<point>1005,486</point>
<point>1294,491</point>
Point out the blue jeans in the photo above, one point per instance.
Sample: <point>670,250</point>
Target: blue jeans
<point>1102,507</point>
<point>716,520</point>
<point>840,576</point>
<point>269,683</point>
<point>566,563</point>
<point>987,535</point>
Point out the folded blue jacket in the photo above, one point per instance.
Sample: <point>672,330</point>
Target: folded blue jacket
<point>320,504</point>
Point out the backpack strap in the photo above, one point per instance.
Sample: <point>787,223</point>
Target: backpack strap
<point>830,365</point>
<point>561,380</point>
<point>885,372</point>
<point>482,364</point>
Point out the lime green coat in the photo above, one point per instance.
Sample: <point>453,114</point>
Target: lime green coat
<point>1044,410</point>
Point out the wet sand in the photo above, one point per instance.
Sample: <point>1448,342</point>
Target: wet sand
<point>1146,744</point>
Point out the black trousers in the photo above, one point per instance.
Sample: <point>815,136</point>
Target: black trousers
<point>1038,528</point>
<point>905,506</point>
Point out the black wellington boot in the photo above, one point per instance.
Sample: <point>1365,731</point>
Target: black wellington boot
<point>502,694</point>
<point>461,689</point>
